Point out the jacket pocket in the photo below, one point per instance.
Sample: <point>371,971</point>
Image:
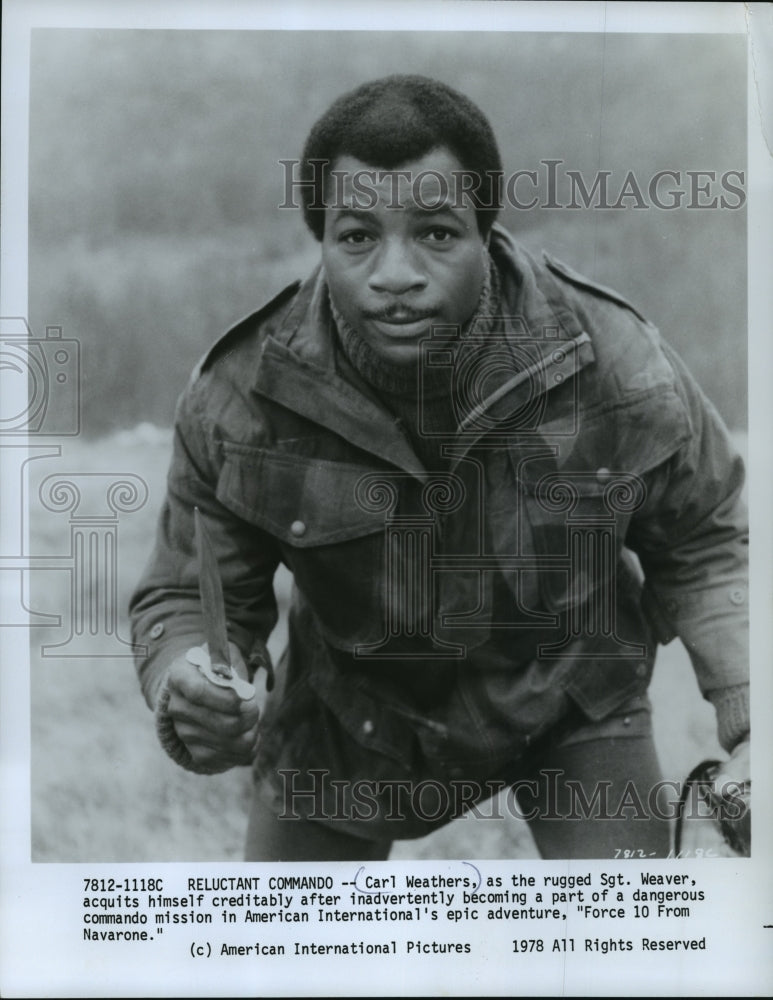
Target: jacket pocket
<point>301,501</point>
<point>581,494</point>
<point>578,525</point>
<point>332,544</point>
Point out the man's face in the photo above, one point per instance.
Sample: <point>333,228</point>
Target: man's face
<point>402,252</point>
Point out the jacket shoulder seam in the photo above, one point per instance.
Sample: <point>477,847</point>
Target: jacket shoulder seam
<point>580,281</point>
<point>243,328</point>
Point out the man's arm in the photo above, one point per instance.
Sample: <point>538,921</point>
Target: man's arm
<point>203,727</point>
<point>691,536</point>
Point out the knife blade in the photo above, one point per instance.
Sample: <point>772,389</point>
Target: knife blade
<point>215,664</point>
<point>211,593</point>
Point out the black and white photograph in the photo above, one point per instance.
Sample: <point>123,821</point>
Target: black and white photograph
<point>384,436</point>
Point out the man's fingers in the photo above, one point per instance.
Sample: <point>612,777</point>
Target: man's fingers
<point>227,724</point>
<point>193,735</point>
<point>737,769</point>
<point>732,780</point>
<point>207,761</point>
<point>187,681</point>
<point>219,729</point>
<point>208,749</point>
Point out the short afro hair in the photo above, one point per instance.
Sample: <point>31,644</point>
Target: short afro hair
<point>392,121</point>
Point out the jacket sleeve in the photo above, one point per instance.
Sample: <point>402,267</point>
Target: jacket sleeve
<point>691,536</point>
<point>165,608</point>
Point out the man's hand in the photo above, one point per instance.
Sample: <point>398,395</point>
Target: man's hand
<point>737,770</point>
<point>715,820</point>
<point>219,729</point>
<point>732,783</point>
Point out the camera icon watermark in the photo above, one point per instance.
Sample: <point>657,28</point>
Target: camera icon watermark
<point>501,376</point>
<point>41,381</point>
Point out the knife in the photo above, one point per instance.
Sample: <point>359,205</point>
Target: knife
<point>214,661</point>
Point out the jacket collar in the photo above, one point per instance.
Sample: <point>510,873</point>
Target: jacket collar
<point>302,369</point>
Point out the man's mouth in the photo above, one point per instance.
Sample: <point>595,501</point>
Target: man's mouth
<point>399,315</point>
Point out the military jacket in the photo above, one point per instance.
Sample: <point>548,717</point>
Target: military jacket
<point>590,507</point>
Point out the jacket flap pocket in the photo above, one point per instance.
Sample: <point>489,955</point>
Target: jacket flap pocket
<point>300,500</point>
<point>627,439</point>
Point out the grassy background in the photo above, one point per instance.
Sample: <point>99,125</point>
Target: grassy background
<point>102,788</point>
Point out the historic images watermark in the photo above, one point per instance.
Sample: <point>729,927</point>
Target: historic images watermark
<point>433,801</point>
<point>40,403</point>
<point>552,186</point>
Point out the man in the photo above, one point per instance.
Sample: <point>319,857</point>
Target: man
<point>455,449</point>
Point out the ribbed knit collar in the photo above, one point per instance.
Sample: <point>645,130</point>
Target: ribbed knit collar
<point>403,379</point>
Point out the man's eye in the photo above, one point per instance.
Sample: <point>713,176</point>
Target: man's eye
<point>355,238</point>
<point>439,234</point>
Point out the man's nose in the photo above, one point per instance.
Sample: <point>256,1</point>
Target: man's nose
<point>396,269</point>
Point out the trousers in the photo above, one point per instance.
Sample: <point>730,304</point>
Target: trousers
<point>594,790</point>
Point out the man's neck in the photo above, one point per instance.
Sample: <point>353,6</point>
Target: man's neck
<point>404,388</point>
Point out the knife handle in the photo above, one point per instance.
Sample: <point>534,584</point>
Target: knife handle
<point>199,657</point>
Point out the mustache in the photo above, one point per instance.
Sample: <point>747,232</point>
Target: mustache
<point>399,311</point>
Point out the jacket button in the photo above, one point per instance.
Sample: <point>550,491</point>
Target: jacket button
<point>298,529</point>
<point>627,720</point>
<point>368,727</point>
<point>157,631</point>
<point>737,596</point>
<point>603,474</point>
<point>641,669</point>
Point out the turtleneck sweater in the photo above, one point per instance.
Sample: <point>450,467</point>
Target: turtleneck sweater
<point>422,401</point>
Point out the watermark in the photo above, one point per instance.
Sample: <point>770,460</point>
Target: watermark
<point>499,373</point>
<point>552,185</point>
<point>514,392</point>
<point>40,402</point>
<point>41,381</point>
<point>548,796</point>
